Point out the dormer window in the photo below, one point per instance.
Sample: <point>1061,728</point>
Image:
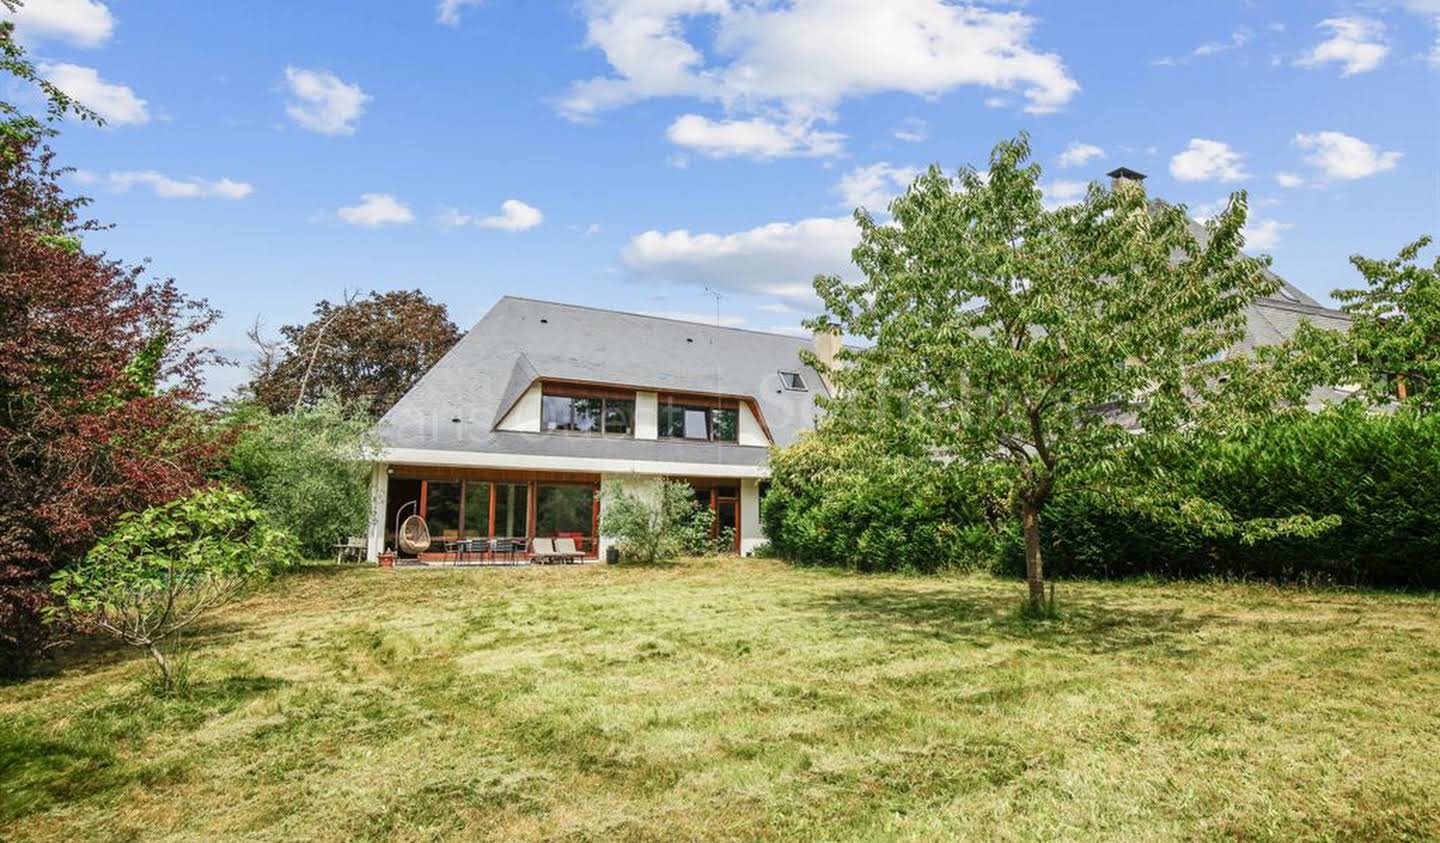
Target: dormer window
<point>793,381</point>
<point>680,419</point>
<point>580,410</point>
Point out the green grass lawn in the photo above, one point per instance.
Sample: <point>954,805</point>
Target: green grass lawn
<point>744,700</point>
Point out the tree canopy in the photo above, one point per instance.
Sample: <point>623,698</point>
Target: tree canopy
<point>98,378</point>
<point>367,352</point>
<point>1029,340</point>
<point>1394,341</point>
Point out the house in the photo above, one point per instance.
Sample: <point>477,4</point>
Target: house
<point>542,405</point>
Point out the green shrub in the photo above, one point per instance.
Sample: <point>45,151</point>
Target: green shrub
<point>160,570</point>
<point>845,501</point>
<point>658,527</point>
<point>305,467</point>
<point>1375,477</point>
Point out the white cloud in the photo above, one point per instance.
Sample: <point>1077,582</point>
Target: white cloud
<point>1341,156</point>
<point>375,210</point>
<point>514,216</point>
<point>1238,39</point>
<point>1289,180</point>
<point>1079,154</point>
<point>322,102</point>
<point>780,259</point>
<point>756,138</point>
<point>874,186</point>
<point>726,320</point>
<point>115,103</point>
<point>1264,234</point>
<point>166,187</point>
<point>913,130</point>
<point>80,23</point>
<point>1356,43</point>
<point>806,57</point>
<point>1061,192</point>
<point>448,11</point>
<point>1208,160</point>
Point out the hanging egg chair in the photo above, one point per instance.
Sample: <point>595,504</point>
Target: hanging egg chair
<point>413,536</point>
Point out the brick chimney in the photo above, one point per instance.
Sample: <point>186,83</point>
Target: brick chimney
<point>827,346</point>
<point>1121,175</point>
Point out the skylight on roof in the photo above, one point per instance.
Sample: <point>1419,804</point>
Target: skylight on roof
<point>792,380</point>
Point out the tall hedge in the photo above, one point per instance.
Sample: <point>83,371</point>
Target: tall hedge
<point>852,503</point>
<point>1379,474</point>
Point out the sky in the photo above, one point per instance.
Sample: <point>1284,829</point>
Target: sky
<point>637,154</point>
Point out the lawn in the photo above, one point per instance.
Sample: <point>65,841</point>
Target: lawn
<point>719,700</point>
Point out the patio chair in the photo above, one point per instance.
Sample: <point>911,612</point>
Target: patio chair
<point>565,548</point>
<point>543,552</point>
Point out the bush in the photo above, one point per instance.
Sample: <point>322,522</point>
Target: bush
<point>847,502</point>
<point>160,570</point>
<point>305,467</point>
<point>654,528</point>
<point>1373,476</point>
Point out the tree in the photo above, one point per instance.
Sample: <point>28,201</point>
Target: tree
<point>98,379</point>
<point>162,569</point>
<point>1394,340</point>
<point>305,467</point>
<point>367,352</point>
<point>1030,341</point>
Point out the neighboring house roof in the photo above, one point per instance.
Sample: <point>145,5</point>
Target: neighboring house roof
<point>524,340</point>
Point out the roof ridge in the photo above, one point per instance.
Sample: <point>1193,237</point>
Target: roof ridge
<point>652,316</point>
<point>1302,307</point>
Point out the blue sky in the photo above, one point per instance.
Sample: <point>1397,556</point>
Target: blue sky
<point>630,153</point>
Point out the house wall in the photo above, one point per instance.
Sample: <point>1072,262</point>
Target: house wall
<point>647,415</point>
<point>375,534</point>
<point>525,415</point>
<point>752,534</point>
<point>751,433</point>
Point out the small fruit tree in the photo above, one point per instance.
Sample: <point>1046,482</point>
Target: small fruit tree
<point>160,570</point>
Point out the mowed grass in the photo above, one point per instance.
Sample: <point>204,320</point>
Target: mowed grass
<point>733,700</point>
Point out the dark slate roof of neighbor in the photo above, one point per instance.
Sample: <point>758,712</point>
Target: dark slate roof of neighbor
<point>523,340</point>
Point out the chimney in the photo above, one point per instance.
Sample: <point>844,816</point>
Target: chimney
<point>827,346</point>
<point>1121,175</point>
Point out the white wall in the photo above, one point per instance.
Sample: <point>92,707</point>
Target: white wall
<point>751,433</point>
<point>647,415</point>
<point>751,533</point>
<point>379,490</point>
<point>525,415</point>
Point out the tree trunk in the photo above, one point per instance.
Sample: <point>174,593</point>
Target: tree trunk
<point>1034,567</point>
<point>163,663</point>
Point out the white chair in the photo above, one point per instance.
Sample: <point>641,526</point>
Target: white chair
<point>543,551</point>
<point>565,548</point>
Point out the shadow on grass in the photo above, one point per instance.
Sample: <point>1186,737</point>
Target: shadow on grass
<point>43,765</point>
<point>88,653</point>
<point>1086,624</point>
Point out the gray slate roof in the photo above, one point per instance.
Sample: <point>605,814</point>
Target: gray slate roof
<point>521,340</point>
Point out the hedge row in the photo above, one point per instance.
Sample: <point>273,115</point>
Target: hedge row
<point>1378,474</point>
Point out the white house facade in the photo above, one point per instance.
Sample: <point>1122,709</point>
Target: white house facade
<point>516,433</point>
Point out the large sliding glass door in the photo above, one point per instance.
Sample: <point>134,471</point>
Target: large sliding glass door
<point>566,511</point>
<point>467,505</point>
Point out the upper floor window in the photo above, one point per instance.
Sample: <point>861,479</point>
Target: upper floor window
<point>792,380</point>
<point>587,414</point>
<point>682,421</point>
